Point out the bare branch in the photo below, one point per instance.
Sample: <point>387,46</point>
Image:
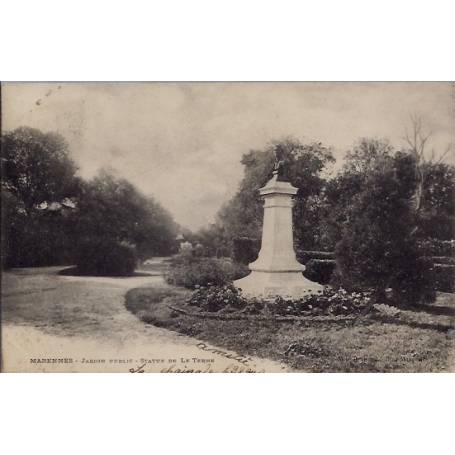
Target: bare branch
<point>418,139</point>
<point>444,154</point>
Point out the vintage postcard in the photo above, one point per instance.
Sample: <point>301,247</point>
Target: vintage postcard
<point>228,227</point>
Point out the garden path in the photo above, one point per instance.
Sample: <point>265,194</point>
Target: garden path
<point>47,315</point>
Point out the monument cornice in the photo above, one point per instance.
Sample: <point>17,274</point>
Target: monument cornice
<point>277,187</point>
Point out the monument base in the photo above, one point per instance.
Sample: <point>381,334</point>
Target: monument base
<point>271,284</point>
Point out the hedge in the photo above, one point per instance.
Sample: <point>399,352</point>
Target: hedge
<point>320,270</point>
<point>204,272</point>
<point>304,256</point>
<point>435,247</point>
<point>245,250</point>
<point>106,257</point>
<point>443,260</point>
<point>444,277</point>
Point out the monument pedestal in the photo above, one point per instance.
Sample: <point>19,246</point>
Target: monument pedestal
<point>276,270</point>
<point>272,284</point>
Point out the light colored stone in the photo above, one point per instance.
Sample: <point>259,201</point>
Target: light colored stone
<point>186,247</point>
<point>276,270</point>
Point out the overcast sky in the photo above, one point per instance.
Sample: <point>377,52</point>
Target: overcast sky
<point>182,142</point>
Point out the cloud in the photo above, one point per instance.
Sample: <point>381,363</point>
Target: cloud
<point>182,142</point>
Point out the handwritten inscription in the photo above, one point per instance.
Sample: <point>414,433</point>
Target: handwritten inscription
<point>208,362</point>
<point>139,369</point>
<point>228,355</point>
<point>232,368</point>
<point>186,369</point>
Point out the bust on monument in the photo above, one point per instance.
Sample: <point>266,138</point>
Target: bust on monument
<point>278,164</point>
<point>276,270</point>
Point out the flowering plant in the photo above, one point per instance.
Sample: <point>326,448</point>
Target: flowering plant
<point>215,298</point>
<point>330,302</point>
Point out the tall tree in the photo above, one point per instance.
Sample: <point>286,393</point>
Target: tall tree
<point>47,210</point>
<point>340,192</point>
<point>38,189</point>
<point>418,139</point>
<point>303,164</point>
<point>377,250</point>
<point>37,167</point>
<point>112,207</point>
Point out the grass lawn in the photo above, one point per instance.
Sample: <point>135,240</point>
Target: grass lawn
<point>416,340</point>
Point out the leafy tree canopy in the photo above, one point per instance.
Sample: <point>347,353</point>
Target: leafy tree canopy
<point>436,214</point>
<point>112,207</point>
<point>47,210</point>
<point>37,167</point>
<point>378,250</point>
<point>303,164</point>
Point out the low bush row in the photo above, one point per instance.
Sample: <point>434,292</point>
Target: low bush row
<point>106,257</point>
<point>450,260</point>
<point>304,256</point>
<point>192,272</point>
<point>320,270</point>
<point>435,247</point>
<point>442,270</point>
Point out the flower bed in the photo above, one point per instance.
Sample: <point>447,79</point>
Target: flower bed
<point>227,299</point>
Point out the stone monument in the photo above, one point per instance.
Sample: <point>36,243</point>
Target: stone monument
<point>276,270</point>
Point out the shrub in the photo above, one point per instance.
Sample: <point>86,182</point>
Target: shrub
<point>378,250</point>
<point>236,270</point>
<point>216,298</point>
<point>330,302</point>
<point>106,258</point>
<point>444,277</point>
<point>192,272</point>
<point>320,270</point>
<point>415,282</point>
<point>379,265</point>
<point>245,250</point>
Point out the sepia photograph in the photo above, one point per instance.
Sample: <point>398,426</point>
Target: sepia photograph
<point>228,227</point>
<point>208,188</point>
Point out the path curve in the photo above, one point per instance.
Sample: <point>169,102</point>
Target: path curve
<point>49,316</point>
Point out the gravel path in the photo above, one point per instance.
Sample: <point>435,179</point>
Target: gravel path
<point>49,316</point>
